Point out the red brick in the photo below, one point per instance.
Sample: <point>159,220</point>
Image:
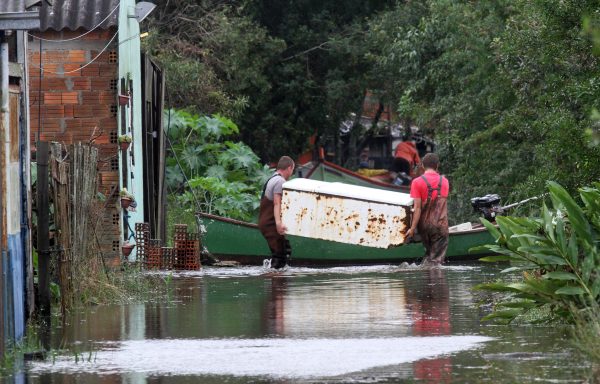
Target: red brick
<point>54,57</point>
<point>91,70</point>
<point>53,98</point>
<point>48,70</point>
<point>84,110</point>
<point>77,56</point>
<point>53,111</point>
<point>70,98</point>
<point>72,125</point>
<point>100,84</point>
<point>90,97</point>
<point>108,70</point>
<point>48,84</point>
<point>110,123</point>
<point>72,70</point>
<point>101,138</point>
<point>107,97</point>
<point>69,110</point>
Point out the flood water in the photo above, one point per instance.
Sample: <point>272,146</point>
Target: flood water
<point>378,324</point>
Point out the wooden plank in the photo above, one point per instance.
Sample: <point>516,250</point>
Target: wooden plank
<point>43,240</point>
<point>161,231</point>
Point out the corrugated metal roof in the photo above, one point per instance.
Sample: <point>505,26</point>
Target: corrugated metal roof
<point>12,6</point>
<point>18,14</point>
<point>75,14</point>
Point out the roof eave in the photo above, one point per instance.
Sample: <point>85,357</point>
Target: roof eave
<point>19,20</point>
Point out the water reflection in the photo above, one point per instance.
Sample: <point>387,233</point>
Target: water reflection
<point>275,308</point>
<point>429,304</point>
<point>338,325</point>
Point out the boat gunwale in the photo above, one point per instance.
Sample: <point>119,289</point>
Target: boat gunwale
<point>357,175</point>
<point>227,220</point>
<point>255,226</point>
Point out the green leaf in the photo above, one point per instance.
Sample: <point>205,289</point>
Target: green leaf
<point>508,314</point>
<point>576,216</point>
<point>519,304</point>
<point>493,259</point>
<point>573,251</point>
<point>500,287</point>
<point>558,275</point>
<point>596,288</point>
<point>491,228</point>
<point>569,290</point>
<point>548,222</point>
<point>561,238</point>
<point>529,236</point>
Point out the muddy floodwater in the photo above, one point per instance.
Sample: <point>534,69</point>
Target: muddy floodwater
<point>377,324</point>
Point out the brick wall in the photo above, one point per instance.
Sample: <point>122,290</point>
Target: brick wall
<point>70,104</point>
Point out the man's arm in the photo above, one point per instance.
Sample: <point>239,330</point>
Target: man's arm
<point>281,229</point>
<point>415,218</point>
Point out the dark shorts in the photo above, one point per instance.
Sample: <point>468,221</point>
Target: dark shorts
<point>400,165</point>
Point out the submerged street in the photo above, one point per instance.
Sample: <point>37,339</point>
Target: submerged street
<point>336,325</point>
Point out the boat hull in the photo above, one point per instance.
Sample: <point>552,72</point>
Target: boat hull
<point>228,239</point>
<point>327,171</point>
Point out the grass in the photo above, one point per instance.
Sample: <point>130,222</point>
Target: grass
<point>177,214</point>
<point>586,333</point>
<point>118,285</point>
<point>13,354</point>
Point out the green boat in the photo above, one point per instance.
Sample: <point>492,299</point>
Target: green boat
<point>324,170</point>
<point>228,239</point>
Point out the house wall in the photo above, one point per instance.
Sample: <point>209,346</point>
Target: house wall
<point>11,250</point>
<point>130,123</point>
<point>71,101</point>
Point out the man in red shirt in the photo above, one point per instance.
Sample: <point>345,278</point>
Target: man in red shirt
<point>406,158</point>
<point>430,216</point>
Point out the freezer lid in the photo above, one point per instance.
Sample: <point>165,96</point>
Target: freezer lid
<point>349,191</point>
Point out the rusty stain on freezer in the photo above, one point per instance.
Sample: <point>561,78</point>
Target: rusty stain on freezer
<point>345,213</point>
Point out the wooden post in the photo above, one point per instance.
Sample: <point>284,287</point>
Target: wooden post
<point>43,229</point>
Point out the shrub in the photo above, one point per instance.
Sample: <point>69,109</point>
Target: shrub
<point>557,255</point>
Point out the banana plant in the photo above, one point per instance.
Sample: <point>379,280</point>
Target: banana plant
<point>557,256</point>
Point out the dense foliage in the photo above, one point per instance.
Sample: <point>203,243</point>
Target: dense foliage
<point>209,173</point>
<point>508,88</point>
<point>558,256</point>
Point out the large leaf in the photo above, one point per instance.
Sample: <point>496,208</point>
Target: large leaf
<point>501,287</point>
<point>493,259</point>
<point>575,213</point>
<point>561,237</point>
<point>495,249</point>
<point>525,304</point>
<point>591,199</point>
<point>573,251</point>
<point>491,228</point>
<point>508,314</point>
<point>548,222</point>
<point>216,171</point>
<point>558,275</point>
<point>237,156</point>
<point>570,290</point>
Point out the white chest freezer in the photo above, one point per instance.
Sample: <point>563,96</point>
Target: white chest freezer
<point>345,213</point>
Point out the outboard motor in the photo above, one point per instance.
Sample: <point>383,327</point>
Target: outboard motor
<point>488,206</point>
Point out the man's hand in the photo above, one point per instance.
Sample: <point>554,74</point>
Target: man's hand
<point>410,233</point>
<point>281,229</point>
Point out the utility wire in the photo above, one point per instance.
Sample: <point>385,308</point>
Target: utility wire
<point>80,36</point>
<point>80,68</point>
